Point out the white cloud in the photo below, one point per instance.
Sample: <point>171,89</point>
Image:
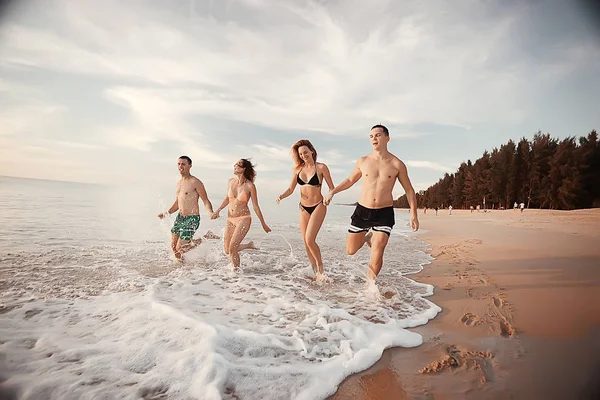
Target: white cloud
<point>334,67</point>
<point>272,151</point>
<point>318,71</point>
<point>429,165</point>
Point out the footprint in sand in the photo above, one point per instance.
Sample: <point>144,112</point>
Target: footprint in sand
<point>506,329</point>
<point>470,319</point>
<point>502,312</point>
<point>498,302</point>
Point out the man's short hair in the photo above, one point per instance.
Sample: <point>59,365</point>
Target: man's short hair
<point>385,130</point>
<point>189,160</point>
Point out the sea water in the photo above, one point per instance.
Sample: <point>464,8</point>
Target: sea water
<point>93,305</point>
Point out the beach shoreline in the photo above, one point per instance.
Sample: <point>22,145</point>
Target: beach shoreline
<point>520,311</point>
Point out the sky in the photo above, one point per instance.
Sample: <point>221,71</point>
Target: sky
<point>113,92</point>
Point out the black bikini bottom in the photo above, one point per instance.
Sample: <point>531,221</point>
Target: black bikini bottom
<point>310,209</point>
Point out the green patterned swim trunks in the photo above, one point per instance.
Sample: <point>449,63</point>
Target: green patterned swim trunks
<point>186,226</point>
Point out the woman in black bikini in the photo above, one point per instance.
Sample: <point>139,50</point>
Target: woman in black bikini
<point>309,174</point>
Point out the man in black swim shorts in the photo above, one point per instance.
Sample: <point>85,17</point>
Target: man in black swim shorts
<point>374,210</point>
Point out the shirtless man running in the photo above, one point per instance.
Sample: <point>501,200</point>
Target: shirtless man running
<point>375,211</point>
<point>189,190</point>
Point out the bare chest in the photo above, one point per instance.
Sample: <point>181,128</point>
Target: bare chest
<point>379,171</point>
<point>186,189</point>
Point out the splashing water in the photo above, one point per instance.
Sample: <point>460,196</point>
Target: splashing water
<point>115,317</point>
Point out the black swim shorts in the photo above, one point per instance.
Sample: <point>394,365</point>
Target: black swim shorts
<point>378,219</point>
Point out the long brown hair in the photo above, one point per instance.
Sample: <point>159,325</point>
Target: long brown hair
<point>298,162</point>
<point>249,172</point>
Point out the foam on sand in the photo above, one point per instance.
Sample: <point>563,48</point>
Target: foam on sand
<point>205,332</point>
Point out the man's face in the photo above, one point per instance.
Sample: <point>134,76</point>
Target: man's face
<point>378,138</point>
<point>183,166</point>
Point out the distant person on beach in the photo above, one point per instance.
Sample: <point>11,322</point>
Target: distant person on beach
<point>471,209</point>
<point>309,174</point>
<point>189,190</point>
<point>240,190</point>
<point>515,206</point>
<point>450,209</point>
<point>522,205</point>
<point>374,210</point>
<point>436,210</point>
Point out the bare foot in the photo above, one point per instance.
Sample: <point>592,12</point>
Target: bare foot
<point>248,246</point>
<point>210,235</point>
<point>195,242</point>
<point>368,237</point>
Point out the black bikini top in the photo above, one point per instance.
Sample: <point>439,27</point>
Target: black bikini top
<point>314,181</point>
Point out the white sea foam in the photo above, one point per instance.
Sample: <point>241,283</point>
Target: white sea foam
<point>120,319</point>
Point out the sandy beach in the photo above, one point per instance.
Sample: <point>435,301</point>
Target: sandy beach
<point>520,299</point>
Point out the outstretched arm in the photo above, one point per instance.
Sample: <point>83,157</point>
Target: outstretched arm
<point>290,189</point>
<point>256,207</point>
<point>202,193</point>
<point>410,195</point>
<point>346,183</point>
<point>223,204</point>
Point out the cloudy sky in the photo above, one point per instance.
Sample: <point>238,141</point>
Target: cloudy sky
<point>116,91</point>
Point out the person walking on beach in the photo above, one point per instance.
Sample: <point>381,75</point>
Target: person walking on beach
<point>189,190</point>
<point>522,206</point>
<point>450,209</point>
<point>240,190</point>
<point>374,210</point>
<point>309,174</point>
<point>436,210</point>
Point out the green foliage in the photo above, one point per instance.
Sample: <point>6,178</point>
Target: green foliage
<point>542,173</point>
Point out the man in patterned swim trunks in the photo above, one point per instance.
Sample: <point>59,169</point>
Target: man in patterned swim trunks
<point>189,190</point>
<point>375,210</point>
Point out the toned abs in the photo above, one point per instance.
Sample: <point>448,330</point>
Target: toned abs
<point>379,177</point>
<point>187,197</point>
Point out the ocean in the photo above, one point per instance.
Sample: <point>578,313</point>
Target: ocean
<point>93,305</point>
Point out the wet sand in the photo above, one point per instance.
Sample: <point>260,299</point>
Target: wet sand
<point>520,299</point>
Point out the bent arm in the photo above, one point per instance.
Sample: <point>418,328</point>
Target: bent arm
<point>290,189</point>
<point>170,211</point>
<point>174,207</point>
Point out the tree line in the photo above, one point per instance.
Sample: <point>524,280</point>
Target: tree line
<point>542,173</point>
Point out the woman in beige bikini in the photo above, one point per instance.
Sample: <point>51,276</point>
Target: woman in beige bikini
<point>309,174</point>
<point>240,190</point>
